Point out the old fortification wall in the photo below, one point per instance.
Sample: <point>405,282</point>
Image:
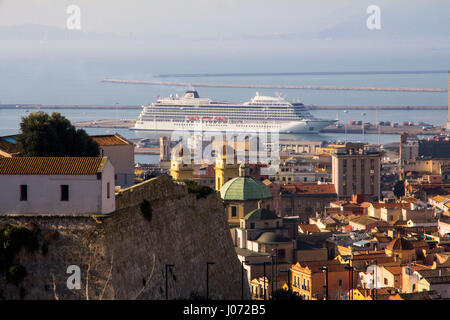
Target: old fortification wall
<point>123,255</point>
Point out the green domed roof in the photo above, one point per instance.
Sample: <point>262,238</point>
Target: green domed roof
<point>244,188</point>
<point>261,214</point>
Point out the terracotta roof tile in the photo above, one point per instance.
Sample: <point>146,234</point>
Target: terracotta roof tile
<point>365,204</point>
<point>310,188</point>
<point>314,266</point>
<point>312,228</point>
<point>364,220</point>
<point>400,243</point>
<point>383,239</point>
<point>394,269</point>
<point>51,165</point>
<point>111,140</point>
<point>391,205</point>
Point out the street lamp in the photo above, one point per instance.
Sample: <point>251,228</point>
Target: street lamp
<point>362,115</point>
<point>325,270</point>
<point>271,280</point>
<point>265,279</point>
<point>207,278</point>
<point>288,271</point>
<point>167,267</point>
<point>276,273</point>
<point>350,281</point>
<point>374,274</point>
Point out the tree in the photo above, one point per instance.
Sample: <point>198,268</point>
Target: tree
<point>54,136</point>
<point>399,189</point>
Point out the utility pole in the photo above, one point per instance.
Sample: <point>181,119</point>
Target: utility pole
<point>272,275</point>
<point>276,271</point>
<point>288,271</point>
<point>375,293</point>
<point>325,270</point>
<point>264,280</point>
<point>350,281</point>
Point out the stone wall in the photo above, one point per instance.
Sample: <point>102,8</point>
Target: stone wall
<point>122,255</point>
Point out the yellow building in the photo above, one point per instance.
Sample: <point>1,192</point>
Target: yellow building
<point>307,280</point>
<point>179,169</point>
<point>225,171</point>
<point>335,147</point>
<point>361,294</point>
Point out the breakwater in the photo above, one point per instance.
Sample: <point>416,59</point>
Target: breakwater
<point>271,86</point>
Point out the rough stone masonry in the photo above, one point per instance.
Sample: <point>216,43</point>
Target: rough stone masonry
<point>123,255</point>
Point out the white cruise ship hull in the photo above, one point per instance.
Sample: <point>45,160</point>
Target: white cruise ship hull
<point>301,126</point>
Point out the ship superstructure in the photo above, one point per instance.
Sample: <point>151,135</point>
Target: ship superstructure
<point>190,112</point>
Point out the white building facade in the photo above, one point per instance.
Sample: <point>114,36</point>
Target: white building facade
<point>120,152</point>
<point>53,185</point>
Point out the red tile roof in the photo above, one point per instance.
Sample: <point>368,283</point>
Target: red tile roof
<point>363,220</point>
<point>383,239</point>
<point>312,228</point>
<point>299,188</point>
<point>111,140</point>
<point>314,266</point>
<point>400,243</point>
<point>52,165</point>
<point>365,204</point>
<point>394,269</point>
<point>391,205</point>
<point>348,205</point>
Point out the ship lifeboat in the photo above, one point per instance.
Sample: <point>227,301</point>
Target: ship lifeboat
<point>220,118</point>
<point>206,119</point>
<point>192,118</point>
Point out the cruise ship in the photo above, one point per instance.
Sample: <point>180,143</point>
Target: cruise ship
<point>190,112</point>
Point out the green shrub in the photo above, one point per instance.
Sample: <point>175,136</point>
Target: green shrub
<point>146,209</point>
<point>12,239</point>
<point>16,274</point>
<point>199,190</point>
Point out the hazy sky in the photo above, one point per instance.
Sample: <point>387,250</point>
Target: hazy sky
<point>205,18</point>
<point>42,61</point>
<point>236,26</point>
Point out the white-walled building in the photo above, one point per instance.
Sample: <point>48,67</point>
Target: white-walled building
<point>120,152</point>
<point>56,185</point>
